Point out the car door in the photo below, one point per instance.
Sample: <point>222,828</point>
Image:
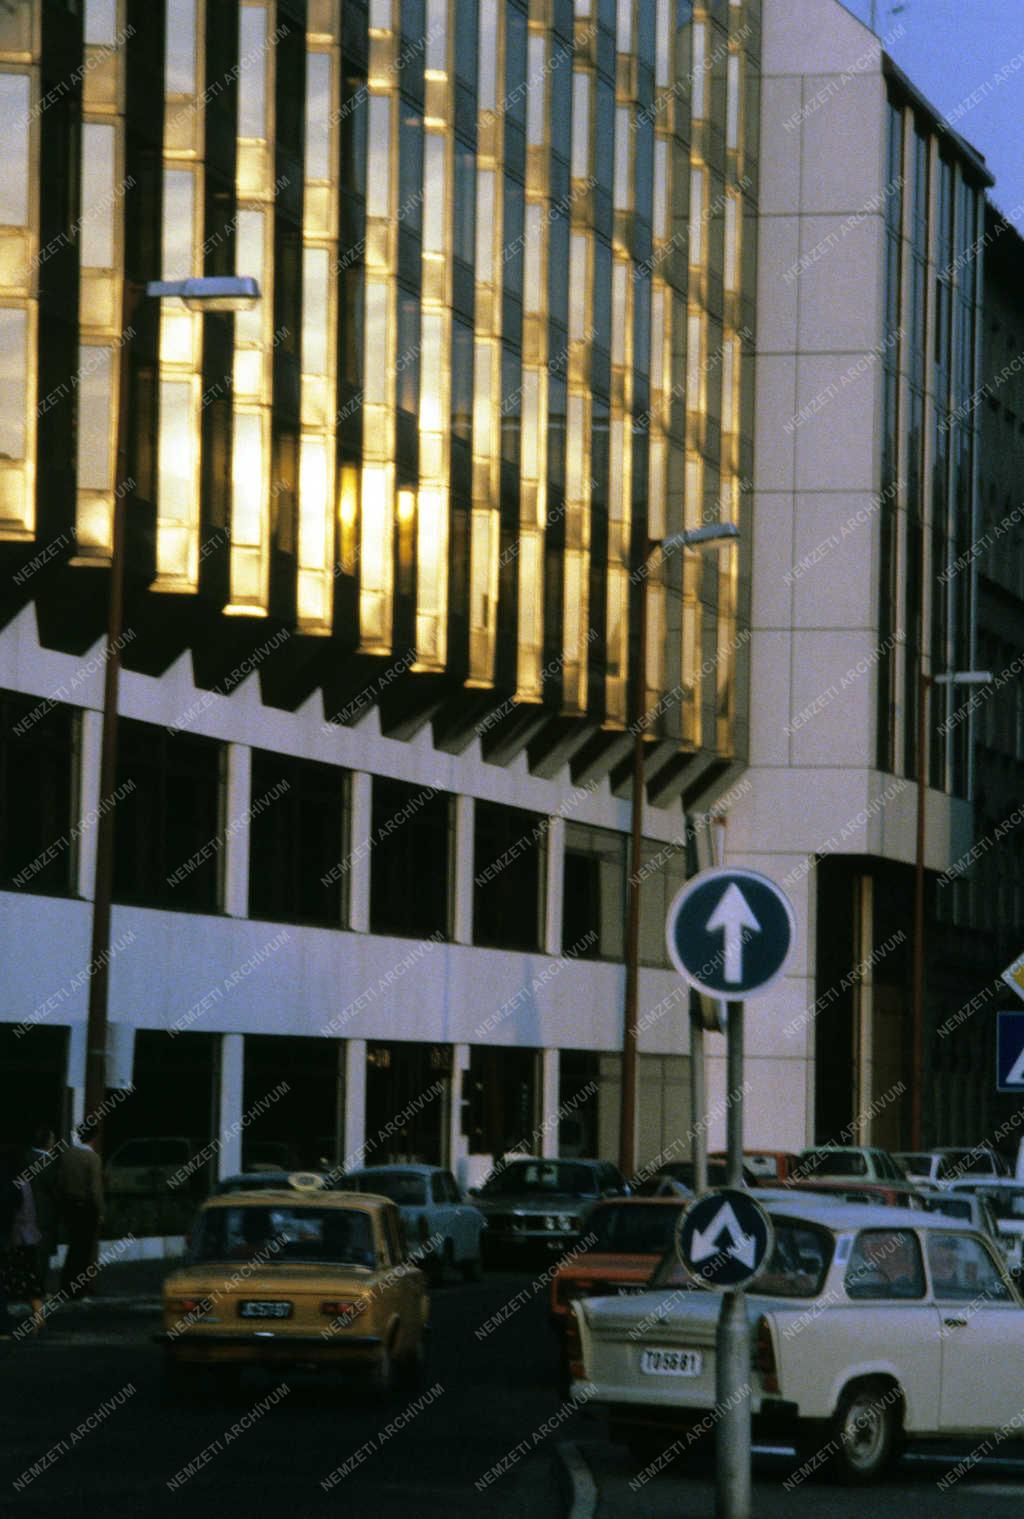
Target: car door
<point>981,1331</point>
<point>890,1319</point>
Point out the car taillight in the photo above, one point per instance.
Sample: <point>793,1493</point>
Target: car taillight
<point>342,1310</point>
<point>574,1349</point>
<point>764,1356</point>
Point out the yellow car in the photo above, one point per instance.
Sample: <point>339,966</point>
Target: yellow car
<point>297,1277</point>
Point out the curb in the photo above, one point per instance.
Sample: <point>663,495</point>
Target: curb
<point>581,1482</point>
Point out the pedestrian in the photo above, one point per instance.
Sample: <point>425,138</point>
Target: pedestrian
<point>80,1186</point>
<point>19,1253</point>
<point>39,1169</point>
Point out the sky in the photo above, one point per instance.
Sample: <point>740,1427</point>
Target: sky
<point>951,48</point>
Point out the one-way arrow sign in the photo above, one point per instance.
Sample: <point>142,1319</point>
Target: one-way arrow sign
<point>732,916</point>
<point>724,1239</point>
<point>729,932</point>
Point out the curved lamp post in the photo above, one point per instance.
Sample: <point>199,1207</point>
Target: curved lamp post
<point>711,534</point>
<point>225,293</point>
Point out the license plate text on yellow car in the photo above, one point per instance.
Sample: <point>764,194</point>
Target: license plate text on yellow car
<point>672,1363</point>
<point>255,1310</point>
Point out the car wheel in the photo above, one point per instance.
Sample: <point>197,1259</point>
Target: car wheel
<point>865,1432</point>
<point>384,1376</point>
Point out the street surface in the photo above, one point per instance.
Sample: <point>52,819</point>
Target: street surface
<point>83,1433</point>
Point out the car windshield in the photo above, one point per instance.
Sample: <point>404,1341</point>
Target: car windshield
<point>403,1187</point>
<point>797,1266</point>
<point>832,1163</point>
<point>541,1178</point>
<point>633,1228</point>
<point>278,1235</point>
<point>920,1165</point>
<point>964,1163</point>
<point>1005,1202</point>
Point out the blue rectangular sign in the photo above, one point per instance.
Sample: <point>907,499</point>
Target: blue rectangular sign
<point>1010,1052</point>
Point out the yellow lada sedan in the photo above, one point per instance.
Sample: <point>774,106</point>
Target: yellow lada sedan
<point>297,1277</point>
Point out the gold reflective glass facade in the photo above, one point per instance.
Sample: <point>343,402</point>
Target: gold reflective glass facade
<point>504,343</point>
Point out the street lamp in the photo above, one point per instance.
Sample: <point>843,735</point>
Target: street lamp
<point>924,685</point>
<point>697,537</point>
<point>224,293</point>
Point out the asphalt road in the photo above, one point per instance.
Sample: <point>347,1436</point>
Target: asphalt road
<point>83,1401</point>
<point>83,1432</point>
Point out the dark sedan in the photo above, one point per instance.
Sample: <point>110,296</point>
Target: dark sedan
<point>539,1207</point>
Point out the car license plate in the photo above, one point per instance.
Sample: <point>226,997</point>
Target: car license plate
<point>257,1310</point>
<point>672,1363</point>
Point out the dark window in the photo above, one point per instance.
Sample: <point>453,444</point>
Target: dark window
<point>407,363</point>
<point>168,839</point>
<point>462,380</point>
<point>36,748</point>
<point>511,404</point>
<point>296,850</point>
<point>410,166</point>
<point>352,115</point>
<point>464,203</point>
<point>409,863</point>
<point>594,897</point>
<point>507,901</point>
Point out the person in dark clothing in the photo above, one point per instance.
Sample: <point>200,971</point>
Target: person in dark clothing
<point>80,1177</point>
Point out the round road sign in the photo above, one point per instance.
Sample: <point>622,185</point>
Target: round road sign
<point>724,1239</point>
<point>729,932</point>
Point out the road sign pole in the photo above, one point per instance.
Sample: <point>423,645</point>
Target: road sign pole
<point>732,1339</point>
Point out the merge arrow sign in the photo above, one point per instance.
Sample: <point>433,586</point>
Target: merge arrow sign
<point>732,915</point>
<point>704,1243</point>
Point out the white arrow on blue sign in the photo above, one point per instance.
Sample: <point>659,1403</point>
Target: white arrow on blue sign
<point>729,932</point>
<point>1010,1052</point>
<point>724,1238</point>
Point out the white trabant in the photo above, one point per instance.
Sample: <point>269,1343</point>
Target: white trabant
<point>869,1326</point>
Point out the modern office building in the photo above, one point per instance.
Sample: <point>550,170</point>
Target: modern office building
<point>383,536</point>
<point>871,223</point>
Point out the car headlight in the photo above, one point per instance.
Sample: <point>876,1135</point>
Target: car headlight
<point>569,1221</point>
<point>551,1222</point>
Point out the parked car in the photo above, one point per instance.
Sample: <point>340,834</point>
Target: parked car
<point>275,1279</point>
<point>847,1162</point>
<point>1005,1199</point>
<point>971,1208</point>
<point>442,1227</point>
<point>887,1194</point>
<point>540,1206</point>
<point>676,1177</point>
<point>625,1238</point>
<point>853,1322</point>
<point>943,1166</point>
<point>767,1166</point>
<point>147,1167</point>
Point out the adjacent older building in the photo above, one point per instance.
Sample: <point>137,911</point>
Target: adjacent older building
<point>383,536</point>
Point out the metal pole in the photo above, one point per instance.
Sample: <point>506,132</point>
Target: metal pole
<point>698,1104</point>
<point>627,1117</point>
<point>917,1057</point>
<point>732,1340</point>
<point>734,1094</point>
<point>96,1030</point>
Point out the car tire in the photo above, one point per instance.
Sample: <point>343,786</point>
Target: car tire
<point>866,1433</point>
<point>385,1375</point>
